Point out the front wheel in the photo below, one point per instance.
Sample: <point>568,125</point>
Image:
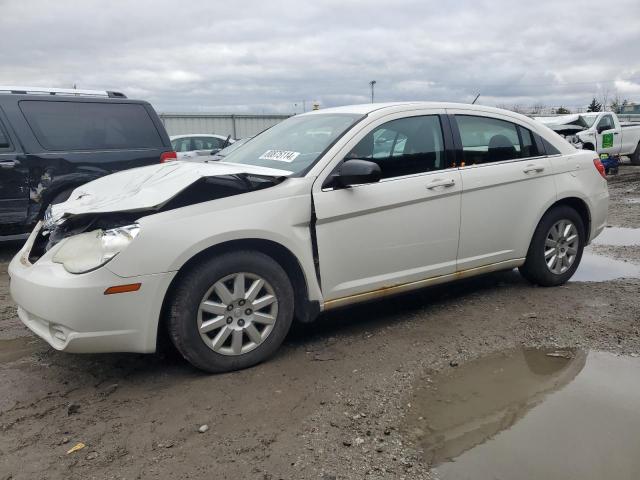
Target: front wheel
<point>231,311</point>
<point>556,248</point>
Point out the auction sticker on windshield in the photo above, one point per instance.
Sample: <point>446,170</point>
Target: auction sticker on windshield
<point>280,155</point>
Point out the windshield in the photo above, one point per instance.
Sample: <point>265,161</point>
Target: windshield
<point>294,144</point>
<point>235,145</point>
<point>588,119</point>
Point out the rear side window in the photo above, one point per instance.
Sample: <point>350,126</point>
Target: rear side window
<point>207,143</point>
<point>487,140</point>
<point>182,145</point>
<point>528,146</point>
<point>61,126</point>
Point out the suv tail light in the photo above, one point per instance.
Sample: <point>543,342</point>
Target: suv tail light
<point>168,156</point>
<point>600,167</point>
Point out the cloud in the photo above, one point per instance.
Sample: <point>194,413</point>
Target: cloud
<point>267,56</point>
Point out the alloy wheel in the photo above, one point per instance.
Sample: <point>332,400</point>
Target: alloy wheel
<point>561,246</point>
<point>237,313</point>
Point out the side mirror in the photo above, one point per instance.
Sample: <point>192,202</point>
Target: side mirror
<point>602,128</point>
<point>214,151</point>
<point>354,172</point>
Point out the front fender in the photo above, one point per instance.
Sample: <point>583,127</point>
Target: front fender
<point>168,240</point>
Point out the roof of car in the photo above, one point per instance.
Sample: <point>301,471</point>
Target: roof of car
<point>186,135</point>
<point>367,108</point>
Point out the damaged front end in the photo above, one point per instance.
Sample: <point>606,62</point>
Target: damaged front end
<point>99,234</point>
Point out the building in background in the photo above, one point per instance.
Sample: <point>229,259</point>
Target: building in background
<point>236,125</point>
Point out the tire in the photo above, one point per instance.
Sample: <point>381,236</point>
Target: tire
<point>258,341</point>
<point>535,268</point>
<point>635,156</point>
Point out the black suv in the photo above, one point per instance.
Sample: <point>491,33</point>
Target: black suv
<point>53,140</point>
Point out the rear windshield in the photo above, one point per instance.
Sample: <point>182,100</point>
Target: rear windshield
<point>90,126</point>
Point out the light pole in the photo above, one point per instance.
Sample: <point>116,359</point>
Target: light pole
<point>372,83</point>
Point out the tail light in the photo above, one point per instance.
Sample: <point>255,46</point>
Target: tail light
<point>600,167</point>
<point>168,156</point>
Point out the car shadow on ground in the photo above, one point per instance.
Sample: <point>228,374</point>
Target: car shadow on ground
<point>380,313</point>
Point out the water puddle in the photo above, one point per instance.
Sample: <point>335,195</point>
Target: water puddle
<point>16,348</point>
<point>618,236</point>
<point>531,414</point>
<point>598,268</point>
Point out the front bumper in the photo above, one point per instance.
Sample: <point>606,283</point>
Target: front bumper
<point>72,313</point>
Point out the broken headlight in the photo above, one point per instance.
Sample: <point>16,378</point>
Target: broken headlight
<point>88,251</point>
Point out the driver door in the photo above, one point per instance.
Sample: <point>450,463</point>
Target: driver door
<point>608,137</point>
<point>399,230</point>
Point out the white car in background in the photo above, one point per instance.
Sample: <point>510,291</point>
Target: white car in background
<point>324,210</point>
<point>191,146</point>
<point>602,132</point>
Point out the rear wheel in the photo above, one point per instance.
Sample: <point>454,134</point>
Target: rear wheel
<point>231,312</point>
<point>556,247</point>
<point>635,156</point>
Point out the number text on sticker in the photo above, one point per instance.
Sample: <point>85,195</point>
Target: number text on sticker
<point>280,155</point>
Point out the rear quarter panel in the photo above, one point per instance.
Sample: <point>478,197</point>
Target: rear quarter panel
<point>577,177</point>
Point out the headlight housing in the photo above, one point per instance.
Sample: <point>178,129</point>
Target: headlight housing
<point>88,251</point>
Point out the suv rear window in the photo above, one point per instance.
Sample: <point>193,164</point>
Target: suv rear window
<point>90,126</point>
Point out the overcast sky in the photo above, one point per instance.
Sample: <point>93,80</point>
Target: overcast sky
<point>266,56</point>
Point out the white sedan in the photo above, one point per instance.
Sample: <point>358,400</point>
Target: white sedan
<point>323,210</point>
<point>190,147</point>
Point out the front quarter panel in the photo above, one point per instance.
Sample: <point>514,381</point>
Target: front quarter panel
<point>169,239</point>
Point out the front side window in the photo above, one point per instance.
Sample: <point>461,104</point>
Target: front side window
<point>404,147</point>
<point>605,123</point>
<point>64,126</point>
<point>295,144</point>
<point>487,140</point>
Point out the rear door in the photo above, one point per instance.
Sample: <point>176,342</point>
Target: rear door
<point>401,229</point>
<point>506,183</point>
<point>14,191</point>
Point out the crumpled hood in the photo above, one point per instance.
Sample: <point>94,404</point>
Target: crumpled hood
<point>147,187</point>
<point>560,120</point>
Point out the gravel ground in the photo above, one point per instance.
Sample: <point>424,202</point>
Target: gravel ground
<point>330,405</point>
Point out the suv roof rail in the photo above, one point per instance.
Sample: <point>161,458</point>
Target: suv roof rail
<point>61,91</point>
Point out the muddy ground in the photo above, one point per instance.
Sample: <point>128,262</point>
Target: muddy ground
<point>331,404</point>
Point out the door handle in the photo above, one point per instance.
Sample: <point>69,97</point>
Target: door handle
<point>8,163</point>
<point>533,169</point>
<point>616,133</point>
<point>441,183</point>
